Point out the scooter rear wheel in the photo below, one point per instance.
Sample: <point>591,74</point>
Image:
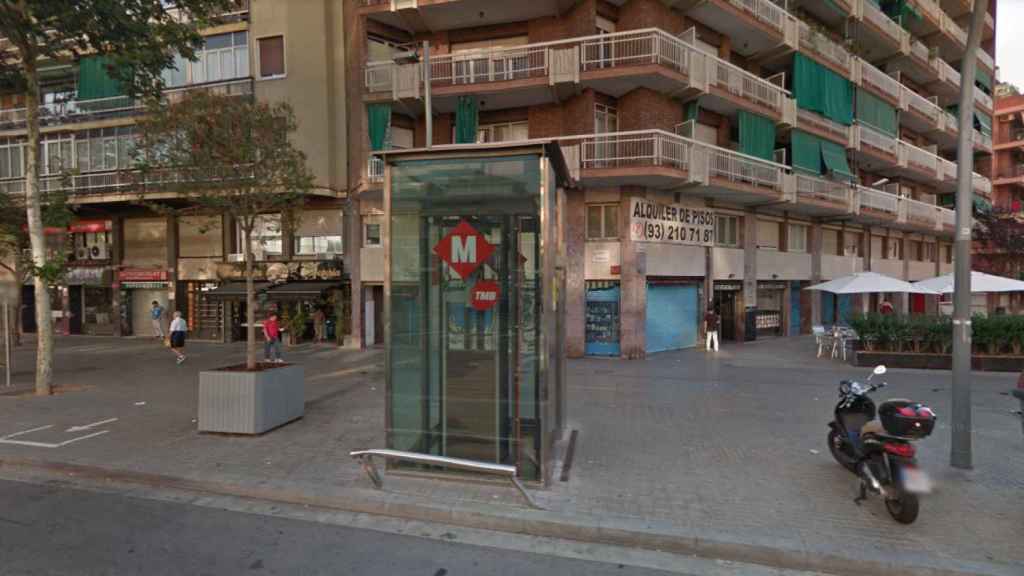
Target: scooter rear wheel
<point>840,451</point>
<point>903,509</point>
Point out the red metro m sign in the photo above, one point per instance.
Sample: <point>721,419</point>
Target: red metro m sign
<point>464,249</point>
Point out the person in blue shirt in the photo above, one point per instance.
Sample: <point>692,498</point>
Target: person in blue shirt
<point>157,314</point>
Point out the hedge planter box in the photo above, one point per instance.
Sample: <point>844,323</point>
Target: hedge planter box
<point>932,361</point>
<point>234,401</point>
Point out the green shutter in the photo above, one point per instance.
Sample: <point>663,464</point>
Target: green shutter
<point>982,205</point>
<point>834,157</point>
<point>876,112</point>
<point>982,79</point>
<point>757,135</point>
<point>692,110</point>
<point>806,150</point>
<point>821,90</point>
<point>466,120</point>
<point>983,123</point>
<point>94,81</point>
<point>379,120</point>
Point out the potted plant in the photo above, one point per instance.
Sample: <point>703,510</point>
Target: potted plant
<point>233,155</point>
<point>295,322</point>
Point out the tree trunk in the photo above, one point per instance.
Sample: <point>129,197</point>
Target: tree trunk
<point>250,305</point>
<point>37,239</point>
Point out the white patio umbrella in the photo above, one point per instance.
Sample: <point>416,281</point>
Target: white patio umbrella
<point>869,282</point>
<point>981,283</point>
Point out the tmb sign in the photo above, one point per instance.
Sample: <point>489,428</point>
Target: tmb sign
<point>464,249</point>
<point>484,295</point>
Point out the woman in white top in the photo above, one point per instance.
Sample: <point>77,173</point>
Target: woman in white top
<point>178,330</point>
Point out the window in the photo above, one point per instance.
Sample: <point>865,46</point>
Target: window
<point>271,57</point>
<point>266,236</point>
<point>371,234</point>
<point>224,57</point>
<point>501,132</point>
<point>929,252</point>
<point>12,160</point>
<point>105,149</point>
<point>893,249</point>
<point>727,231</point>
<point>55,154</point>
<point>830,242</point>
<point>768,234</point>
<point>177,74</point>
<point>319,233</point>
<point>603,222</point>
<point>797,238</point>
<point>606,119</point>
<point>400,137</point>
<point>851,244</point>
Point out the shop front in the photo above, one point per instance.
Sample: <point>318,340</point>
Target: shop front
<point>90,300</point>
<point>771,300</point>
<point>673,315</point>
<point>727,297</point>
<point>139,288</point>
<point>602,318</point>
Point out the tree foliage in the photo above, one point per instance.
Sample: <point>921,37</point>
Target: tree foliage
<point>999,242</point>
<point>224,154</point>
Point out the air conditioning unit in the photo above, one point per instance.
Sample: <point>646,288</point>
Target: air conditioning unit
<point>99,252</point>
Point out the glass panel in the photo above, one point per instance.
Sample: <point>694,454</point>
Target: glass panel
<point>611,221</point>
<point>594,222</point>
<point>199,69</point>
<point>227,64</point>
<point>213,72</point>
<point>464,369</point>
<point>82,155</point>
<point>372,235</point>
<point>242,61</point>
<point>218,41</point>
<point>96,154</point>
<point>109,153</point>
<point>5,163</point>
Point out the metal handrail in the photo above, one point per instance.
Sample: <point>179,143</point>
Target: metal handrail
<point>822,123</point>
<point>878,18</point>
<point>878,200</point>
<point>366,457</point>
<point>831,190</point>
<point>877,139</point>
<point>880,80</point>
<point>823,45</point>
<point>765,11</point>
<point>922,105</point>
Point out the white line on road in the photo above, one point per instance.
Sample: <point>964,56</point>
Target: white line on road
<point>93,425</point>
<point>23,432</point>
<point>48,445</point>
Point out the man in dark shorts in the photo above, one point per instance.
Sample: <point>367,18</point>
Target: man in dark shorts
<point>178,330</point>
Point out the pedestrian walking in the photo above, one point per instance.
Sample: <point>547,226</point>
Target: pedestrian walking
<point>178,330</point>
<point>319,324</point>
<point>157,315</point>
<point>711,325</point>
<point>272,339</point>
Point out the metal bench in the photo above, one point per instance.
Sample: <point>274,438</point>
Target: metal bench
<point>365,458</point>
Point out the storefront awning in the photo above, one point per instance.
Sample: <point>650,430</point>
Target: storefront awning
<point>301,290</point>
<point>235,290</point>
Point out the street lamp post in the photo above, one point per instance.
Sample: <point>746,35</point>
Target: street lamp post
<point>960,452</point>
<point>428,108</point>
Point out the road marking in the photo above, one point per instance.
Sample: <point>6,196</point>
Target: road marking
<point>89,426</point>
<point>27,432</point>
<point>48,445</point>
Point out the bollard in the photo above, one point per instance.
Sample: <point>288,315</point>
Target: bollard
<point>1019,393</point>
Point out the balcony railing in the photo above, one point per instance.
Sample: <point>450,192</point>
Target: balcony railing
<point>921,158</point>
<point>90,183</point>
<point>633,47</point>
<point>806,117</point>
<point>879,200</point>
<point>738,81</point>
<point>744,169</point>
<point>922,105</point>
<point>982,98</point>
<point>764,10</point>
<point>638,148</point>
<point>823,45</point>
<point>878,140</point>
<point>811,187</point>
<point>922,212</point>
<point>490,65</point>
<point>920,51</point>
<point>952,123</point>
<point>889,26</point>
<point>986,59</point>
<point>931,10</point>
<point>375,169</point>
<point>880,80</point>
<point>982,184</point>
<point>947,72</point>
<point>947,217</point>
<point>948,169</point>
<point>983,140</point>
<point>74,111</point>
<point>953,30</point>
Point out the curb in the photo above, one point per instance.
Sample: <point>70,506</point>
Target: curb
<point>606,531</point>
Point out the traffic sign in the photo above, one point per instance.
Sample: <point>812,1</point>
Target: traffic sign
<point>464,249</point>
<point>484,295</point>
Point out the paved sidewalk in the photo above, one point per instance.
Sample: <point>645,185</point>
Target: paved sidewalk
<point>683,451</point>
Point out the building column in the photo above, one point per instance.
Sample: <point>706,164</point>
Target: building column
<point>353,246</point>
<point>633,295</point>
<point>172,265</point>
<point>575,272</point>
<point>749,326</point>
<point>817,246</point>
<point>116,251</point>
<point>903,307</point>
<point>709,293</point>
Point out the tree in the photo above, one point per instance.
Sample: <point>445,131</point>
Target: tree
<point>140,37</point>
<point>999,242</point>
<point>225,154</point>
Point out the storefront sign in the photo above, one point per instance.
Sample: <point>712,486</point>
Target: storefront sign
<point>671,223</point>
<point>484,295</point>
<point>142,275</point>
<point>87,276</point>
<point>771,285</point>
<point>464,249</point>
<point>728,286</point>
<point>86,226</point>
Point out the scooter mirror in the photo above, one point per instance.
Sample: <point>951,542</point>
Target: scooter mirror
<point>879,370</point>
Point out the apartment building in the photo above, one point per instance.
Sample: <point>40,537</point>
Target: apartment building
<point>724,153</point>
<point>123,256</point>
<point>1008,160</point>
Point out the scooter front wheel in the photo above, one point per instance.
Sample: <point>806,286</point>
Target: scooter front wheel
<point>903,508</point>
<point>841,451</point>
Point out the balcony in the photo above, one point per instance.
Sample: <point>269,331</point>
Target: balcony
<point>922,163</point>
<point>923,215</point>
<point>883,35</point>
<point>82,111</point>
<point>375,169</point>
<point>762,24</point>
<point>875,149</point>
<point>877,206</point>
<point>827,50</point>
<point>822,197</point>
<point>423,16</point>
<point>918,64</point>
<point>821,126</point>
<point>878,82</point>
<point>923,115</point>
<point>613,64</point>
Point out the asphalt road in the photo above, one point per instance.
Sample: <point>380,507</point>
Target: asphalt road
<point>55,530</point>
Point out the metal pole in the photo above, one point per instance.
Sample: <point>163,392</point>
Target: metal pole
<point>428,107</point>
<point>960,453</point>
<point>7,343</point>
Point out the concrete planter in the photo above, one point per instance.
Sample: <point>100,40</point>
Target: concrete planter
<point>238,402</point>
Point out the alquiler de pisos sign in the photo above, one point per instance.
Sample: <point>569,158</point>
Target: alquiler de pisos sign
<point>651,221</point>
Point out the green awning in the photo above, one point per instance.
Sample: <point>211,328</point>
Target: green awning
<point>982,205</point>
<point>378,117</point>
<point>983,79</point>
<point>983,123</point>
<point>466,120</point>
<point>819,89</point>
<point>834,157</point>
<point>691,110</point>
<point>877,113</point>
<point>94,80</point>
<point>806,151</point>
<point>757,135</point>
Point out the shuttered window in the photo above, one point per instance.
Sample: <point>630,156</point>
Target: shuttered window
<point>271,56</point>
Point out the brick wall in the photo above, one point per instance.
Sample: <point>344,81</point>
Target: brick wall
<point>644,109</point>
<point>637,14</point>
<point>581,20</point>
<point>574,116</point>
